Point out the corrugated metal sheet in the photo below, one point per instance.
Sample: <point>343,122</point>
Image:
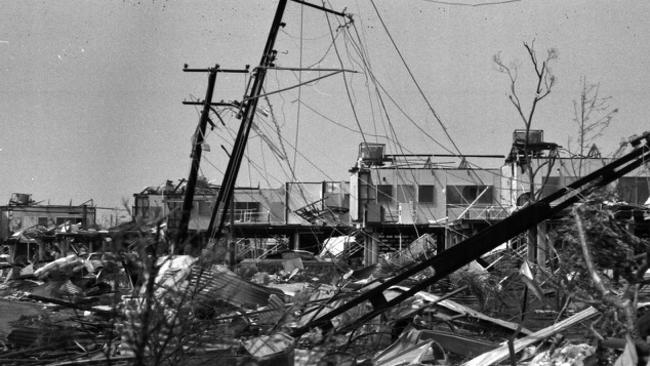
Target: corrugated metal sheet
<point>219,283</point>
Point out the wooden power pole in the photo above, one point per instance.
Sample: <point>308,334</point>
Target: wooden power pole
<point>249,107</point>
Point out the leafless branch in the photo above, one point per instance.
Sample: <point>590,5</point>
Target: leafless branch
<point>592,115</point>
<point>624,304</point>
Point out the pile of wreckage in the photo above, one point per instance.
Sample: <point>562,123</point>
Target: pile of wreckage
<point>133,305</point>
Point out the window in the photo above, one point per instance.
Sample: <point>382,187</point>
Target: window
<point>425,194</point>
<point>246,211</point>
<point>72,220</point>
<point>142,206</point>
<point>333,187</point>
<point>42,221</point>
<point>175,212</point>
<point>384,193</point>
<point>175,208</point>
<point>405,193</point>
<point>253,206</point>
<point>464,195</point>
<point>486,197</point>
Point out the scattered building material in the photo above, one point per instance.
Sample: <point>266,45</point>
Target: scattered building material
<point>502,353</point>
<point>457,308</point>
<point>206,284</point>
<point>458,344</point>
<point>218,282</point>
<point>629,357</point>
<point>337,245</point>
<point>71,305</point>
<point>268,345</point>
<point>571,354</point>
<point>410,349</point>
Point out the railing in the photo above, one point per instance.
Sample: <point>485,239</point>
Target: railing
<point>249,216</point>
<point>490,212</point>
<point>258,248</point>
<point>322,208</point>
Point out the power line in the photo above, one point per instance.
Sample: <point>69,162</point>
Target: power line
<point>417,85</point>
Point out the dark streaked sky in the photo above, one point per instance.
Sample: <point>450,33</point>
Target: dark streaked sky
<point>91,91</point>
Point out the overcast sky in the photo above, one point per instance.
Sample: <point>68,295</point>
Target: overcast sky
<point>91,91</point>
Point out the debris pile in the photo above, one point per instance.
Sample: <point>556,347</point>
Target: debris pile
<point>138,304</point>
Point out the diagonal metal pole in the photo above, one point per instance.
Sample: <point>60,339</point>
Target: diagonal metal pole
<point>248,112</point>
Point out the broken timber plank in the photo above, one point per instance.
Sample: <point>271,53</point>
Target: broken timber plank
<point>461,309</point>
<point>458,344</point>
<point>501,353</point>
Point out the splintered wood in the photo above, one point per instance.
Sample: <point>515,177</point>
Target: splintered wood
<point>501,353</point>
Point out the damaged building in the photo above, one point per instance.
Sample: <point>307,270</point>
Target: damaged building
<point>390,199</point>
<point>23,212</point>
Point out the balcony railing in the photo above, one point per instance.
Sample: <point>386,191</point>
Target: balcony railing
<point>249,216</point>
<point>462,212</point>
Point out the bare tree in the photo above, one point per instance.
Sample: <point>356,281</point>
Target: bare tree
<point>592,114</point>
<point>544,84</point>
<point>545,80</point>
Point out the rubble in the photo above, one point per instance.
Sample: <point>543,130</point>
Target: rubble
<point>501,353</point>
<point>137,307</point>
<point>410,348</point>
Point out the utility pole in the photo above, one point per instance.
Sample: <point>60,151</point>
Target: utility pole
<point>188,199</point>
<point>249,107</point>
<point>197,149</point>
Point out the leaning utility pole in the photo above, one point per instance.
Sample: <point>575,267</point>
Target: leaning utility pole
<point>188,199</point>
<point>197,149</point>
<point>248,108</point>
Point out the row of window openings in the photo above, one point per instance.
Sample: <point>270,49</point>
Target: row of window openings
<point>455,195</point>
<point>47,221</point>
<point>204,208</point>
<point>464,194</point>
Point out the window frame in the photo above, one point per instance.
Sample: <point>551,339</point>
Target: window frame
<point>385,193</point>
<point>468,194</point>
<point>421,189</point>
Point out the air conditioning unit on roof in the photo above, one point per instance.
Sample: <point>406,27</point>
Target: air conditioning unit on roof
<point>20,199</point>
<point>371,153</point>
<point>534,136</point>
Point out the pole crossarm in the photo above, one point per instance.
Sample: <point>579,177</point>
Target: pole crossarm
<point>217,68</point>
<point>327,10</point>
<point>214,104</point>
<point>292,87</point>
<point>279,68</point>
